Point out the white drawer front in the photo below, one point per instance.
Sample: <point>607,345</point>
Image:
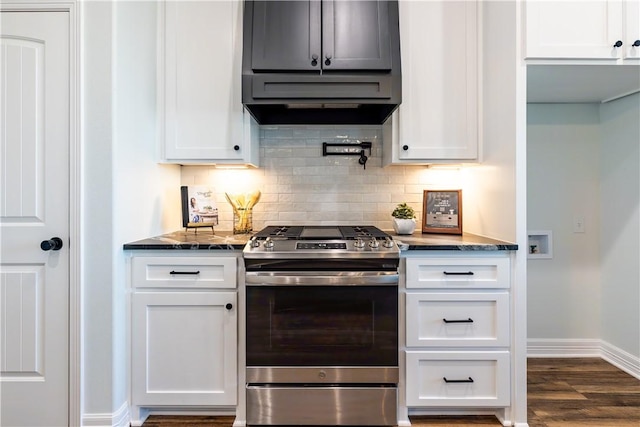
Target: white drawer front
<point>181,272</point>
<point>475,379</point>
<point>458,273</point>
<point>469,319</point>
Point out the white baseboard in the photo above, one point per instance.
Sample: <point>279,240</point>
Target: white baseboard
<point>120,418</point>
<point>585,348</point>
<point>621,359</point>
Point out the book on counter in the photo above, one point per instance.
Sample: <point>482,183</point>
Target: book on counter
<point>198,206</point>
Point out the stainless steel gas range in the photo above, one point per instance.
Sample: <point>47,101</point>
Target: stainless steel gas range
<point>322,326</point>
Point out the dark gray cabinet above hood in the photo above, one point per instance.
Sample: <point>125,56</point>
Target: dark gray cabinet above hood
<point>321,61</point>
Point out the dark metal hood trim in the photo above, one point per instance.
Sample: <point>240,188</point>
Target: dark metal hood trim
<point>325,97</point>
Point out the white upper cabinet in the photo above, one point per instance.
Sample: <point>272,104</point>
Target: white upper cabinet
<point>201,116</point>
<point>589,29</point>
<point>437,121</point>
<point>632,29</point>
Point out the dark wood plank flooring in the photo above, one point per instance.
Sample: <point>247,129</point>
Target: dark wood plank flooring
<point>572,392</point>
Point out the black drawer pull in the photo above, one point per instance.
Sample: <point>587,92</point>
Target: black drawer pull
<point>192,273</point>
<point>458,273</point>
<point>470,380</point>
<point>469,320</point>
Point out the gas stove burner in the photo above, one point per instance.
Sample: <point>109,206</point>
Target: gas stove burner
<point>320,232</point>
<point>321,241</point>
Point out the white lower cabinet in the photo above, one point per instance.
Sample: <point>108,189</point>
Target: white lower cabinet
<point>458,332</point>
<point>183,333</point>
<point>460,379</point>
<point>461,320</point>
<point>184,348</point>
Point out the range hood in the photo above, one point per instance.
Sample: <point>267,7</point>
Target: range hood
<point>321,61</point>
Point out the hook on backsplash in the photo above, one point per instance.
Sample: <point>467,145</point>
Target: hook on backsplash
<point>337,149</point>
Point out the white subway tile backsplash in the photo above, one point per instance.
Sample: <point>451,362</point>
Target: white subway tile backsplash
<point>301,186</point>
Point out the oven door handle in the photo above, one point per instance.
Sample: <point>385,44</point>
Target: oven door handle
<point>343,278</point>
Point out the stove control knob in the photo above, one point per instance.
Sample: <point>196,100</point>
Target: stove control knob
<point>253,242</point>
<point>359,243</point>
<point>373,243</point>
<point>388,243</point>
<point>268,243</point>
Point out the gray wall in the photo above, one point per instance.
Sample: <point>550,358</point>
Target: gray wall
<point>583,162</point>
<point>620,225</point>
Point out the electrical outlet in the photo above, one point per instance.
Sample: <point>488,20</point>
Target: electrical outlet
<point>578,224</point>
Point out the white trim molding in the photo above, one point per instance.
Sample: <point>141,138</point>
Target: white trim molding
<point>585,348</point>
<point>119,418</point>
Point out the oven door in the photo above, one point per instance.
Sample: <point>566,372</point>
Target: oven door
<point>315,325</point>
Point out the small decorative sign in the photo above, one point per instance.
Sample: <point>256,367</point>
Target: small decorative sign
<point>442,211</point>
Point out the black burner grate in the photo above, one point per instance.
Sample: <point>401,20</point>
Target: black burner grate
<point>294,232</point>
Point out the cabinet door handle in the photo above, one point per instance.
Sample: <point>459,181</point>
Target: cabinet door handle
<point>636,43</point>
<point>618,43</point>
<point>228,306</point>
<point>458,273</point>
<point>314,60</point>
<point>192,273</point>
<point>236,147</point>
<point>470,380</point>
<point>405,147</point>
<point>327,60</point>
<point>469,320</point>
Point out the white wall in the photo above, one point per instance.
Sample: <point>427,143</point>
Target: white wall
<point>125,190</point>
<point>620,225</point>
<point>97,224</point>
<point>563,149</point>
<point>583,161</point>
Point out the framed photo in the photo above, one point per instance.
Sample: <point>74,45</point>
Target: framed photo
<point>442,211</point>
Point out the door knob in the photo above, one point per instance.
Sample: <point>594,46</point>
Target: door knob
<point>53,244</point>
<point>618,43</point>
<point>636,43</point>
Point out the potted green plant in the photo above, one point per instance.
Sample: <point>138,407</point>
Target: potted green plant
<point>404,219</point>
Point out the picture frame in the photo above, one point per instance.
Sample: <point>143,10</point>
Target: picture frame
<point>442,211</point>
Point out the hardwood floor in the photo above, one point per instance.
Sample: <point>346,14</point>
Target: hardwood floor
<point>573,392</point>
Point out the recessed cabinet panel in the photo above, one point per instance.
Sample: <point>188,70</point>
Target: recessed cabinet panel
<point>574,29</point>
<point>458,273</point>
<point>356,35</point>
<point>201,117</point>
<point>437,121</point>
<point>184,348</point>
<point>457,320</point>
<point>632,27</point>
<point>448,379</point>
<point>286,35</point>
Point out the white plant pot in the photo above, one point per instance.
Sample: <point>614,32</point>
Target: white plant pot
<point>404,226</point>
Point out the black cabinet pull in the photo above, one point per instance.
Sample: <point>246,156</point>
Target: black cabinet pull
<point>470,380</point>
<point>618,43</point>
<point>458,273</point>
<point>228,306</point>
<point>314,60</point>
<point>405,147</point>
<point>636,43</point>
<point>236,147</point>
<point>192,273</point>
<point>469,320</point>
<point>327,60</point>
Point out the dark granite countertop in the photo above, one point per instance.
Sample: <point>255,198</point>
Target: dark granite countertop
<point>449,242</point>
<point>224,240</point>
<point>203,239</point>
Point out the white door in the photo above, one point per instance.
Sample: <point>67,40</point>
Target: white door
<point>34,207</point>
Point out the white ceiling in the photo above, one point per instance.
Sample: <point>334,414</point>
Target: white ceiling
<point>580,83</point>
